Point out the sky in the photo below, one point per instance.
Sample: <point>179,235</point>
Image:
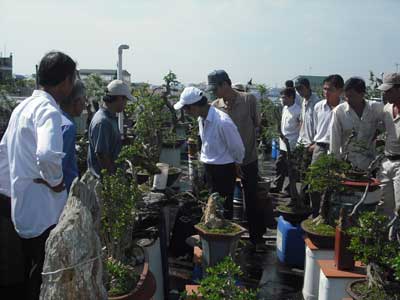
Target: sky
<point>269,41</point>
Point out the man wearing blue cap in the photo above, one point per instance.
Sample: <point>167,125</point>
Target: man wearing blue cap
<point>222,149</point>
<point>242,108</point>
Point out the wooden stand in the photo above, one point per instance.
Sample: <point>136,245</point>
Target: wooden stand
<point>333,282</point>
<point>312,269</point>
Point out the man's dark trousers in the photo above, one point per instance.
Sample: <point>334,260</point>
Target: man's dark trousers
<point>34,253</point>
<point>222,179</point>
<point>254,209</point>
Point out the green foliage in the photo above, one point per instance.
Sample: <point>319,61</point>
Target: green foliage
<point>119,194</point>
<point>396,266</point>
<point>121,278</point>
<point>95,87</point>
<point>326,174</point>
<point>322,229</point>
<point>270,120</point>
<point>220,283</point>
<point>371,245</point>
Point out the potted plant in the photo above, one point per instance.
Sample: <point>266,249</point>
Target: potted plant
<point>371,245</point>
<point>126,271</point>
<point>324,176</point>
<point>221,284</point>
<point>219,237</point>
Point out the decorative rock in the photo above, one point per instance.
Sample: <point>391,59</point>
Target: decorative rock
<point>73,266</point>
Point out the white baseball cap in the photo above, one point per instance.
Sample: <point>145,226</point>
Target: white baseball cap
<point>189,95</point>
<point>119,88</point>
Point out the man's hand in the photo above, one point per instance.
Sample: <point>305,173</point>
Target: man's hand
<point>311,148</point>
<point>239,172</point>
<point>57,189</point>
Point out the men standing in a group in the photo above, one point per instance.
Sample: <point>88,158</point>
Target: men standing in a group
<point>290,127</point>
<point>354,125</point>
<point>323,112</point>
<point>32,149</point>
<point>390,175</point>
<point>104,137</point>
<point>242,108</point>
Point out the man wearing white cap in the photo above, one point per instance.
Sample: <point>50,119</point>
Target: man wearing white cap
<point>390,175</point>
<point>104,136</point>
<point>222,149</point>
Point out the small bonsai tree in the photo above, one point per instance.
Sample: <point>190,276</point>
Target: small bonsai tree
<point>371,245</point>
<point>325,176</point>
<point>119,196</point>
<point>221,283</point>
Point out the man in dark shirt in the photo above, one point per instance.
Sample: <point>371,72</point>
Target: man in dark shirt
<point>104,136</point>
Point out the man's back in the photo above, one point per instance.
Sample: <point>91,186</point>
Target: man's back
<point>33,143</point>
<point>245,116</point>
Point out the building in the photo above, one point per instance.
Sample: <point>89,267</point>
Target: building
<point>315,81</point>
<point>6,68</point>
<point>106,74</point>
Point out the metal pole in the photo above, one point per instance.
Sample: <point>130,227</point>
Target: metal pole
<point>120,77</point>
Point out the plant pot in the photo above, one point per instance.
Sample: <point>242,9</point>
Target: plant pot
<point>173,175</point>
<point>295,216</point>
<point>216,246</point>
<point>349,289</point>
<point>171,156</point>
<point>145,287</point>
<point>142,177</point>
<point>319,240</point>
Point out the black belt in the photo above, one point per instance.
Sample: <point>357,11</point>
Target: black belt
<point>393,157</point>
<point>323,145</point>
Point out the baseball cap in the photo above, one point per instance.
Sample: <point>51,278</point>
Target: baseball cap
<point>119,88</point>
<point>215,78</point>
<point>189,96</point>
<point>389,80</point>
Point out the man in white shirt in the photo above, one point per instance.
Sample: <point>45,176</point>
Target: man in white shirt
<point>357,121</point>
<point>222,149</point>
<point>32,147</point>
<point>323,112</point>
<point>390,174</point>
<point>290,127</point>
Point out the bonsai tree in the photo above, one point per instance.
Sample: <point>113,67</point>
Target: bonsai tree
<point>325,176</point>
<point>221,283</point>
<point>119,196</point>
<point>371,245</point>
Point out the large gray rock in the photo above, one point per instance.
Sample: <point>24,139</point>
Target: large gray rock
<point>73,267</point>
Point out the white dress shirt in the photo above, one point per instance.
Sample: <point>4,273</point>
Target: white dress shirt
<point>307,129</point>
<point>221,141</point>
<point>344,121</point>
<point>33,146</point>
<point>290,125</point>
<point>392,126</point>
<point>322,121</point>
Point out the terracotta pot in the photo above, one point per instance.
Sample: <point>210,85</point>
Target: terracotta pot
<point>349,290</point>
<point>321,241</point>
<point>145,287</point>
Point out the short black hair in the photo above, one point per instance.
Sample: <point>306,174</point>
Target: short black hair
<point>303,81</point>
<point>288,92</point>
<point>355,83</point>
<point>202,102</point>
<point>289,84</point>
<point>54,68</point>
<point>336,80</point>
